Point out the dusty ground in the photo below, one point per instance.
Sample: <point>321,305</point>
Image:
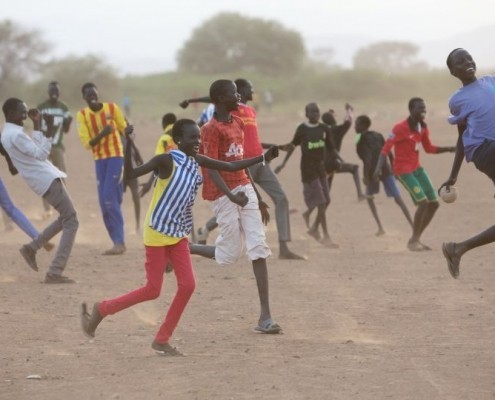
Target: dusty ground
<point>368,321</point>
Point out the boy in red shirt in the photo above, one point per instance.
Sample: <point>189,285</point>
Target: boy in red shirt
<point>241,228</point>
<point>406,137</point>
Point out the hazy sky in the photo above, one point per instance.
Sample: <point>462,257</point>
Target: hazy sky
<point>144,36</point>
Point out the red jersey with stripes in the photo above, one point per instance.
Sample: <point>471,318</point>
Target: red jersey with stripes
<point>252,144</point>
<point>90,124</point>
<point>223,141</point>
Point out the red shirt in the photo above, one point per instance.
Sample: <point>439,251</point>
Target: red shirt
<point>406,137</point>
<point>223,141</point>
<point>252,144</point>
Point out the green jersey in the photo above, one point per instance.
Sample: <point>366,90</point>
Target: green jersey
<point>60,114</point>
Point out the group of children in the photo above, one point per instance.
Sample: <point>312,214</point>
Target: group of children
<point>218,147</point>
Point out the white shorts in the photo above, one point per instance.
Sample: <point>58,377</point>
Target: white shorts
<point>241,229</point>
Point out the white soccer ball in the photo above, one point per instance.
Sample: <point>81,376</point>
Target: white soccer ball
<point>450,195</point>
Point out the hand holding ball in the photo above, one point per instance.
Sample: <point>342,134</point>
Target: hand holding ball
<point>448,194</point>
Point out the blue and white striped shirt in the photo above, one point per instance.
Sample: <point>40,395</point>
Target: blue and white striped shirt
<point>172,215</point>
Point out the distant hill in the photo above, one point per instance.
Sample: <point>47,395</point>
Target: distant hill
<point>434,53</point>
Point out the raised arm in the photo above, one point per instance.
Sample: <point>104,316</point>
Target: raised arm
<point>161,163</point>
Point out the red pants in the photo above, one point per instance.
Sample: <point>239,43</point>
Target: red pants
<point>156,261</point>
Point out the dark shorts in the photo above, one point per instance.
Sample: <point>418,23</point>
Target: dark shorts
<point>484,158</point>
<point>316,193</point>
<point>418,185</point>
<point>391,189</point>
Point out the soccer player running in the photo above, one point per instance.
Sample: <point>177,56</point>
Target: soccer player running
<point>368,147</point>
<point>314,139</point>
<point>262,174</point>
<point>241,228</point>
<point>406,138</point>
<point>472,109</point>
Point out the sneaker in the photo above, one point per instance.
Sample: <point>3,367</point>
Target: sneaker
<point>117,249</point>
<point>202,235</point>
<point>164,349</point>
<point>51,278</point>
<point>30,256</point>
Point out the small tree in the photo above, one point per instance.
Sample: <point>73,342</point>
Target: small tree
<point>230,42</point>
<point>392,57</point>
<point>20,54</point>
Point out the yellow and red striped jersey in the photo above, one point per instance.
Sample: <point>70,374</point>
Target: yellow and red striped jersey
<point>90,124</point>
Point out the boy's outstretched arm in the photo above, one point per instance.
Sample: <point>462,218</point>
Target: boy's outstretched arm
<point>185,103</point>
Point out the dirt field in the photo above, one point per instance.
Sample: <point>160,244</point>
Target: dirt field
<point>370,320</point>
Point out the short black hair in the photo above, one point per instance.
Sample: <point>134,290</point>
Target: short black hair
<point>53,83</point>
<point>218,88</point>
<point>86,86</point>
<point>449,57</point>
<point>365,120</point>
<point>241,83</point>
<point>328,118</point>
<point>168,118</point>
<point>178,129</point>
<point>10,105</point>
<point>414,100</point>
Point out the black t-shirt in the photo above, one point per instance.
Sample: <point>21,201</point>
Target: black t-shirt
<point>312,140</point>
<point>368,148</point>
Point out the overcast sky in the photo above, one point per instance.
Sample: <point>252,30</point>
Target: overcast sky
<point>144,36</point>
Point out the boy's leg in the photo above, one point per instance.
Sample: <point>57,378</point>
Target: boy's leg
<point>454,251</point>
<point>431,195</point>
<point>413,186</point>
<point>202,250</point>
<point>156,260</point>
<point>266,178</point>
<point>392,190</point>
<point>258,251</point>
<point>15,214</point>
<point>186,283</point>
<point>230,242</point>
<point>373,188</point>
<point>67,222</point>
<point>112,201</point>
<point>371,204</point>
<point>354,170</point>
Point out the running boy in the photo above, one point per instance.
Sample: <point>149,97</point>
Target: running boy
<point>313,136</point>
<point>368,147</point>
<point>472,109</point>
<point>167,225</point>
<point>406,137</point>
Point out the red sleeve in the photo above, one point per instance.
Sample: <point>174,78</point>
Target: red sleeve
<point>427,145</point>
<point>394,137</point>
